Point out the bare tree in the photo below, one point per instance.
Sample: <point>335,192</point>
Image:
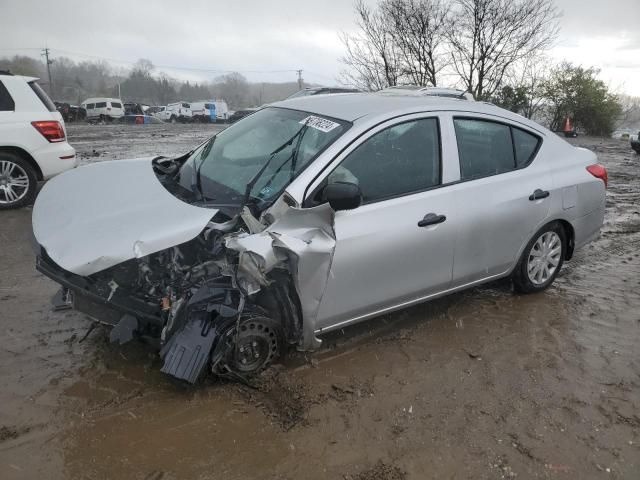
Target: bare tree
<point>419,29</point>
<point>371,55</point>
<point>490,35</point>
<point>232,87</point>
<point>528,75</point>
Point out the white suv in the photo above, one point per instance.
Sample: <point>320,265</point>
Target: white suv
<point>33,144</point>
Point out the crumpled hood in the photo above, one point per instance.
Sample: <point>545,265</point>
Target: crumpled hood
<point>96,216</point>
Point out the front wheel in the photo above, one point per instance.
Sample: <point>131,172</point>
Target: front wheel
<point>541,260</point>
<point>248,351</point>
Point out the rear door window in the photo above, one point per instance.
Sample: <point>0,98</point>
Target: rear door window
<point>101,104</point>
<point>42,95</point>
<point>6,102</point>
<point>116,105</point>
<point>489,148</point>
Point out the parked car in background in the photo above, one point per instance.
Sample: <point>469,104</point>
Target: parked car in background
<point>262,237</point>
<point>138,119</point>
<point>71,113</point>
<point>309,91</point>
<point>210,111</point>
<point>635,143</point>
<point>622,134</point>
<point>33,143</point>
<point>238,114</point>
<point>132,108</point>
<point>176,112</point>
<point>155,109</point>
<point>103,109</point>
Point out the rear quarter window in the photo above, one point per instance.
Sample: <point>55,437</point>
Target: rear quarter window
<point>525,146</point>
<point>116,105</point>
<point>6,102</point>
<point>42,95</point>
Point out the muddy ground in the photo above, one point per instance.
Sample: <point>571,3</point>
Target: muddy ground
<point>482,384</point>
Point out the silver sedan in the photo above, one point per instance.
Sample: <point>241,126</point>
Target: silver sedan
<point>312,214</point>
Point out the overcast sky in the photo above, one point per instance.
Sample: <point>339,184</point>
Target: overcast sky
<point>268,40</point>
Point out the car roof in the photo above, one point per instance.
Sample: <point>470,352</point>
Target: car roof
<point>102,99</point>
<point>356,106</point>
<point>8,76</point>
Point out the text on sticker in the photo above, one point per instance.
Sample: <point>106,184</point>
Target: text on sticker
<point>319,123</point>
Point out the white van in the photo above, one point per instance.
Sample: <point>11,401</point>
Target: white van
<point>103,109</point>
<point>210,111</point>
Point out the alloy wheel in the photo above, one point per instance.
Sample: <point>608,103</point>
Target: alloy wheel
<point>14,182</point>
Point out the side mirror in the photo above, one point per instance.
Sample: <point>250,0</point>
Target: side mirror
<point>343,195</point>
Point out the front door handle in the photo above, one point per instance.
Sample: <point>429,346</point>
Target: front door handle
<point>538,194</point>
<point>431,219</point>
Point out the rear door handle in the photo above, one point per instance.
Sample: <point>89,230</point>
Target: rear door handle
<point>538,194</point>
<point>431,219</point>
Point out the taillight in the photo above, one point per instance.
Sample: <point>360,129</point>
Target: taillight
<point>51,130</point>
<point>600,172</point>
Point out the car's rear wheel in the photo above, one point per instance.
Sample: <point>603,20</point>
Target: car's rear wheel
<point>541,260</point>
<point>18,181</point>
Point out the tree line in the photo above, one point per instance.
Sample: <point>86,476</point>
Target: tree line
<point>494,49</point>
<point>73,82</point>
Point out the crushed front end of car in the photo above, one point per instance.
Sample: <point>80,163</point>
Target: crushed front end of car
<point>205,254</point>
<point>228,300</point>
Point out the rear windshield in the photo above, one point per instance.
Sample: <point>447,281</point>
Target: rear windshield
<point>116,105</point>
<point>101,104</point>
<point>185,105</point>
<point>44,98</point>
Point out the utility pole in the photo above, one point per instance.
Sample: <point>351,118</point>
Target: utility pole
<point>299,79</point>
<point>45,52</point>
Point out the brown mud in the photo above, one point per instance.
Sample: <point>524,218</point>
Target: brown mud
<point>480,384</point>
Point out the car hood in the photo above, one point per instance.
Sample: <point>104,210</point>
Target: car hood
<point>96,216</point>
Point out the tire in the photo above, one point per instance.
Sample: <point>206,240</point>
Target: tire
<point>541,260</point>
<point>260,341</point>
<point>173,119</point>
<point>18,181</point>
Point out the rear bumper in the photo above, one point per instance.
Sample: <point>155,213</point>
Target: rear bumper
<point>55,158</point>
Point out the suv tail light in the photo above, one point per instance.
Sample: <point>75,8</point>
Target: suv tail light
<point>600,172</point>
<point>51,130</point>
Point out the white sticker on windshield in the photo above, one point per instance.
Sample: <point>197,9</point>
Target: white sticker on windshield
<point>319,123</point>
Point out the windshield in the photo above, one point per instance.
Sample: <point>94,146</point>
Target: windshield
<point>259,155</point>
